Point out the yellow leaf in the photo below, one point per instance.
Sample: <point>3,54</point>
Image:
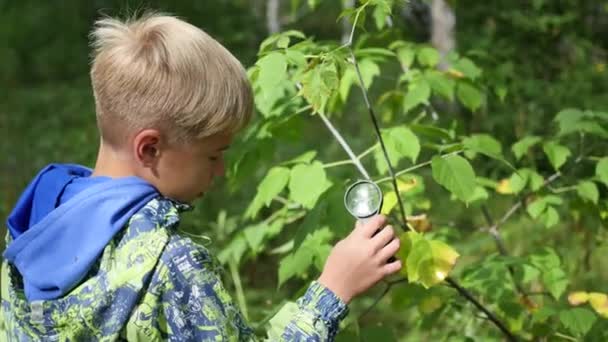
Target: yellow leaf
<point>389,202</point>
<point>435,269</point>
<point>577,298</point>
<point>420,223</point>
<point>504,187</point>
<point>599,302</point>
<point>406,185</point>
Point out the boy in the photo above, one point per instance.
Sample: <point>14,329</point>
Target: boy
<point>94,255</point>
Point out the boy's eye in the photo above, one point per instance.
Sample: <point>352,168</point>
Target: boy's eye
<point>213,158</point>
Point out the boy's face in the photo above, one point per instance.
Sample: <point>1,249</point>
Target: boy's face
<point>185,172</point>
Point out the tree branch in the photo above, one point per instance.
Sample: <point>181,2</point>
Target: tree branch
<point>415,167</point>
<point>389,285</point>
<point>379,136</point>
<point>466,294</point>
<point>344,145</point>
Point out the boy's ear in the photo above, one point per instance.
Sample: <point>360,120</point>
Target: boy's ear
<point>147,147</point>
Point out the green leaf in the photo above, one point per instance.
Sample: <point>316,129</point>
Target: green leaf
<point>304,158</point>
<point>577,320</point>
<point>318,84</point>
<point>555,281</point>
<point>518,180</point>
<point>529,273</point>
<point>468,68</point>
<point>428,261</point>
<point>256,234</point>
<point>234,251</point>
<point>470,96</point>
<point>540,209</point>
<point>381,12</point>
<point>418,93</point>
<point>546,258</point>
<point>428,56</point>
<point>601,170</point>
<point>479,194</point>
<point>550,217</point>
<point>587,190</point>
<point>368,70</point>
<point>408,240</point>
<point>522,146</point>
<point>307,183</point>
<point>273,184</point>
<point>536,208</point>
<point>275,181</point>
<point>273,69</point>
<point>455,174</point>
<point>406,55</point>
<point>298,262</point>
<point>400,142</point>
<point>557,154</point>
<point>441,84</point>
<point>432,132</point>
<point>485,144</point>
<point>295,263</point>
<point>568,118</point>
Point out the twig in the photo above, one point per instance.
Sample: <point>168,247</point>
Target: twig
<point>376,301</point>
<point>240,295</point>
<point>500,244</point>
<point>482,308</point>
<point>349,161</point>
<point>344,145</point>
<point>565,337</point>
<point>389,285</point>
<point>379,135</point>
<point>519,204</point>
<point>415,167</point>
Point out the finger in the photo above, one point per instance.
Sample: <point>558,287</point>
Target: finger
<point>391,268</point>
<point>383,237</point>
<point>389,250</point>
<point>368,227</point>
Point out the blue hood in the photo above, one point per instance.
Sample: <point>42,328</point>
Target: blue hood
<point>63,221</point>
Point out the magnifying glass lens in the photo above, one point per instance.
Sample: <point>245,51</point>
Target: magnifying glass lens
<point>363,199</point>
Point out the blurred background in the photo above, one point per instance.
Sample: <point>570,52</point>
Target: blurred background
<point>546,55</point>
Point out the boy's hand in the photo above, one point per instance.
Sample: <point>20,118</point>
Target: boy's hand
<point>360,260</point>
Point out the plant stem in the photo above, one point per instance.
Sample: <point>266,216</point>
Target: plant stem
<point>240,295</point>
<point>380,139</point>
<point>466,294</point>
<point>565,337</point>
<point>502,249</point>
<point>337,163</point>
<point>349,161</point>
<point>415,167</point>
<point>344,145</point>
<point>389,285</point>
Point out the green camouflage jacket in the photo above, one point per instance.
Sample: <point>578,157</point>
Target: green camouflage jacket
<point>153,284</point>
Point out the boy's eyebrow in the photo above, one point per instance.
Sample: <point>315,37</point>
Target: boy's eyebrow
<point>223,148</point>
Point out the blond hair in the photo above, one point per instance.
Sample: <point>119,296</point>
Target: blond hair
<point>161,72</point>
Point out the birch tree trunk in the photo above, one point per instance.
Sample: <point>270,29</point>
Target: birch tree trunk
<point>443,21</point>
<point>273,23</point>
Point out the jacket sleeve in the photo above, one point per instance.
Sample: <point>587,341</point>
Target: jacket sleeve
<point>197,307</point>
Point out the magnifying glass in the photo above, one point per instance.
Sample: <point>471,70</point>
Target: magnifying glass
<point>363,199</point>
